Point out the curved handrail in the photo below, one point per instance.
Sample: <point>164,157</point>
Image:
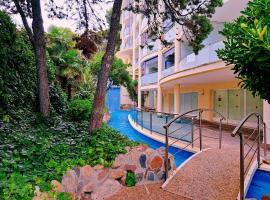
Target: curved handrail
<point>144,110</point>
<point>236,130</point>
<point>201,110</point>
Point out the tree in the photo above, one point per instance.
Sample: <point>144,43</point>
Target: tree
<point>247,48</point>
<point>192,15</point>
<point>97,112</point>
<point>32,8</point>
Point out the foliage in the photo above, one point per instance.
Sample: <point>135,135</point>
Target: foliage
<point>35,151</point>
<point>193,16</point>
<point>58,99</point>
<point>118,73</point>
<point>247,47</point>
<point>130,179</point>
<point>79,110</point>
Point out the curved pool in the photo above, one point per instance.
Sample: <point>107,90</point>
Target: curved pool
<point>119,121</point>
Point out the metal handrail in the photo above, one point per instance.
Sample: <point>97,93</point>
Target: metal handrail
<point>184,115</point>
<point>243,156</point>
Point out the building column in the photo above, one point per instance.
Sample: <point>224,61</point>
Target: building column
<point>159,91</point>
<point>167,103</point>
<point>176,91</point>
<point>266,119</point>
<point>139,89</point>
<point>177,55</point>
<point>134,46</point>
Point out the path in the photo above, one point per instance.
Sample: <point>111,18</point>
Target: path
<point>212,174</point>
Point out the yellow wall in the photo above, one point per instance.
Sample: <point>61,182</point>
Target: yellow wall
<point>205,94</point>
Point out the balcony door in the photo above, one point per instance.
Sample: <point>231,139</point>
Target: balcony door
<point>189,101</point>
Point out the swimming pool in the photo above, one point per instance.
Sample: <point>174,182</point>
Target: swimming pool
<point>260,185</point>
<point>119,121</point>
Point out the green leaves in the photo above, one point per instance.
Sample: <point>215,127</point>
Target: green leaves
<point>247,47</point>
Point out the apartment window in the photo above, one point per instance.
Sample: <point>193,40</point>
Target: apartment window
<point>169,58</point>
<point>167,24</point>
<point>150,66</point>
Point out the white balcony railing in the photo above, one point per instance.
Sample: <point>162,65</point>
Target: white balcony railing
<point>149,79</point>
<point>170,34</point>
<point>147,50</point>
<point>206,55</point>
<point>167,72</point>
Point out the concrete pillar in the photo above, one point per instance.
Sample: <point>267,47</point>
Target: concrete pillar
<point>266,119</point>
<point>134,47</point>
<point>177,55</point>
<point>139,89</point>
<point>167,103</point>
<point>176,91</point>
<point>160,65</point>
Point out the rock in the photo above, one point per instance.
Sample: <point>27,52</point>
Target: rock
<point>129,167</point>
<point>37,191</point>
<point>57,187</point>
<point>87,190</point>
<point>267,197</point>
<point>77,170</point>
<point>155,163</point>
<point>107,189</point>
<point>151,176</point>
<point>139,176</point>
<point>161,175</point>
<point>98,167</point>
<point>142,160</point>
<point>117,174</point>
<point>103,174</point>
<point>86,171</point>
<point>70,181</point>
<point>120,161</point>
<point>141,147</point>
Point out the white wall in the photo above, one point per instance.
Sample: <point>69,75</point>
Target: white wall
<point>124,96</point>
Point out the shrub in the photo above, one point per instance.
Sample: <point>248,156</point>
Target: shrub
<point>130,179</point>
<point>58,99</point>
<point>79,110</point>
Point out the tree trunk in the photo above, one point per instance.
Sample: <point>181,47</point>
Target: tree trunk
<point>40,54</point>
<point>97,113</point>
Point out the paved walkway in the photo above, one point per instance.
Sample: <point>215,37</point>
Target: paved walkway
<point>213,174</point>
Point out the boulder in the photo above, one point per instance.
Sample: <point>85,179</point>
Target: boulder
<point>103,174</point>
<point>129,167</point>
<point>107,189</point>
<point>87,190</point>
<point>155,163</point>
<point>86,172</point>
<point>142,160</point>
<point>117,174</point>
<point>98,167</point>
<point>56,186</point>
<point>120,161</point>
<point>70,181</point>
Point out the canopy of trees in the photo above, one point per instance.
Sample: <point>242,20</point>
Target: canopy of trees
<point>247,47</point>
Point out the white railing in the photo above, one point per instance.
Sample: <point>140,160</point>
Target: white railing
<point>167,72</point>
<point>149,79</point>
<point>206,55</point>
<point>170,34</point>
<point>147,50</point>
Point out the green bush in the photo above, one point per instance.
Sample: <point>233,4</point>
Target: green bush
<point>79,110</point>
<point>130,179</point>
<point>58,99</point>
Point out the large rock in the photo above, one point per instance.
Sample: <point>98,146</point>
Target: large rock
<point>117,174</point>
<point>120,161</point>
<point>129,167</point>
<point>103,174</point>
<point>155,163</point>
<point>86,172</point>
<point>87,190</point>
<point>70,181</point>
<point>107,189</point>
<point>56,186</point>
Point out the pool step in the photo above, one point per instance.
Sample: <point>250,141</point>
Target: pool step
<point>212,174</point>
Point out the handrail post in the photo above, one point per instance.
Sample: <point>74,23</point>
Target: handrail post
<point>166,154</point>
<point>264,138</point>
<point>142,119</point>
<point>242,169</point>
<point>220,133</point>
<point>259,141</point>
<point>192,132</point>
<point>151,122</point>
<point>200,128</point>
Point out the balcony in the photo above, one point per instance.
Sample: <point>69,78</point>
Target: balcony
<point>206,55</point>
<point>167,72</point>
<point>170,34</point>
<point>147,50</point>
<point>149,79</point>
<point>144,23</point>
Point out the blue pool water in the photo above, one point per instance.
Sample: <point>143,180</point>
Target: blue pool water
<point>260,185</point>
<point>119,121</point>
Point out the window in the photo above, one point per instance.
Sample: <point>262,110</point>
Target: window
<point>169,59</point>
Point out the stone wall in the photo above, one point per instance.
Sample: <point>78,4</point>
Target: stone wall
<point>96,183</point>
